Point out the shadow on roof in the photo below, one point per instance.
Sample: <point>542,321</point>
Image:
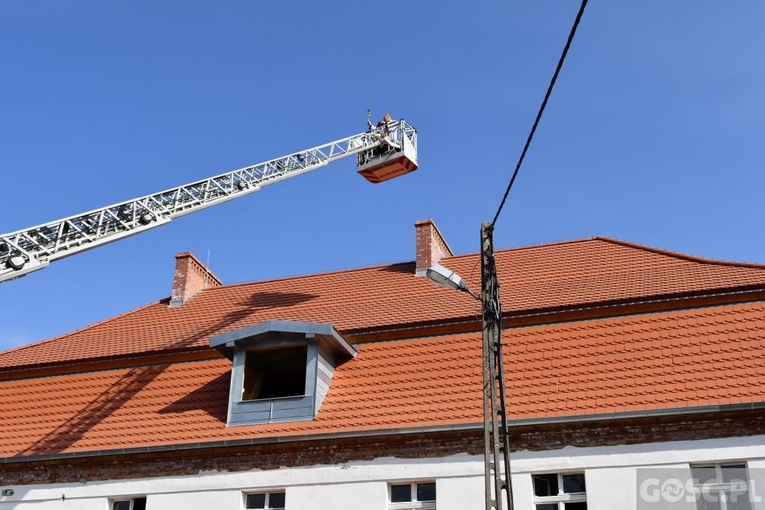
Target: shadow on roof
<point>404,267</point>
<point>259,301</point>
<point>112,398</point>
<point>212,398</point>
<point>70,431</point>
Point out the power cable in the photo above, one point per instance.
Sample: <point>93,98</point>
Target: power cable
<point>541,109</point>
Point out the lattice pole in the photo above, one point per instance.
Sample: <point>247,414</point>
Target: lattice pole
<point>496,445</point>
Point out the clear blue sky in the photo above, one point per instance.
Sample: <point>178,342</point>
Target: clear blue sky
<point>653,134</point>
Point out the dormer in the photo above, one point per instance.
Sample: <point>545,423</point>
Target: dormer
<point>281,369</point>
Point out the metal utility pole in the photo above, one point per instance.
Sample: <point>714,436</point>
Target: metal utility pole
<point>496,444</point>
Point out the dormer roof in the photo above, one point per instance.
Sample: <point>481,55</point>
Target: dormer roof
<point>251,336</point>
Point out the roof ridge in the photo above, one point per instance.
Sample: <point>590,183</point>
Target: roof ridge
<point>388,264</point>
<point>607,239</point>
<point>680,255</point>
<point>546,244</point>
<point>308,275</point>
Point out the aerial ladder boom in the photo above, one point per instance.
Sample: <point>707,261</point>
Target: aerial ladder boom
<point>382,153</point>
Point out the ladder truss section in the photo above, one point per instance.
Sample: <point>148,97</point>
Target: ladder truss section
<point>34,248</point>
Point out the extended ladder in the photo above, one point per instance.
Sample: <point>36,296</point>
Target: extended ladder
<point>35,248</point>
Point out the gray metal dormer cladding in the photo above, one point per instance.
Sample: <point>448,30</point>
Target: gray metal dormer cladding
<point>281,369</point>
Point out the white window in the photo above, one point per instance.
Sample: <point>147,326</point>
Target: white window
<point>129,504</point>
<point>409,496</point>
<point>272,500</point>
<point>721,486</point>
<point>559,491</point>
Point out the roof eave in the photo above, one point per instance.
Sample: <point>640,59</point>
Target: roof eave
<point>426,429</point>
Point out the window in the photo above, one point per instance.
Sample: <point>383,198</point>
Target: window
<point>273,500</point>
<point>129,504</point>
<point>409,496</point>
<point>559,491</point>
<point>274,373</point>
<point>721,487</point>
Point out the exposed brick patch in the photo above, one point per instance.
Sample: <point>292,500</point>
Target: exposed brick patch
<point>340,451</point>
<point>639,431</point>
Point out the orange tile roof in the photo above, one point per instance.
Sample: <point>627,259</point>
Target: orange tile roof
<point>560,275</point>
<point>687,358</point>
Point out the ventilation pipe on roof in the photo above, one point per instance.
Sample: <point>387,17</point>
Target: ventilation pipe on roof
<point>431,246</point>
<point>190,277</point>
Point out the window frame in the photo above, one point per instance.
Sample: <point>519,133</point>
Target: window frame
<point>250,371</point>
<point>114,501</point>
<point>268,495</point>
<point>413,503</point>
<point>719,486</point>
<point>561,498</point>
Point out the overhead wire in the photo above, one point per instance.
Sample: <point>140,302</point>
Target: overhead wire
<point>541,109</point>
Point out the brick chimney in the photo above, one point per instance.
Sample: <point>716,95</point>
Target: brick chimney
<point>431,246</point>
<point>190,277</point>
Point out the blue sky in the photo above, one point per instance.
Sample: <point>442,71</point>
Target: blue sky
<point>653,134</point>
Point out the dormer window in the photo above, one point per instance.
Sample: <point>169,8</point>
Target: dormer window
<point>281,369</point>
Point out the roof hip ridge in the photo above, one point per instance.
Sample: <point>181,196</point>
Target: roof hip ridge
<point>680,255</point>
<point>69,333</point>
